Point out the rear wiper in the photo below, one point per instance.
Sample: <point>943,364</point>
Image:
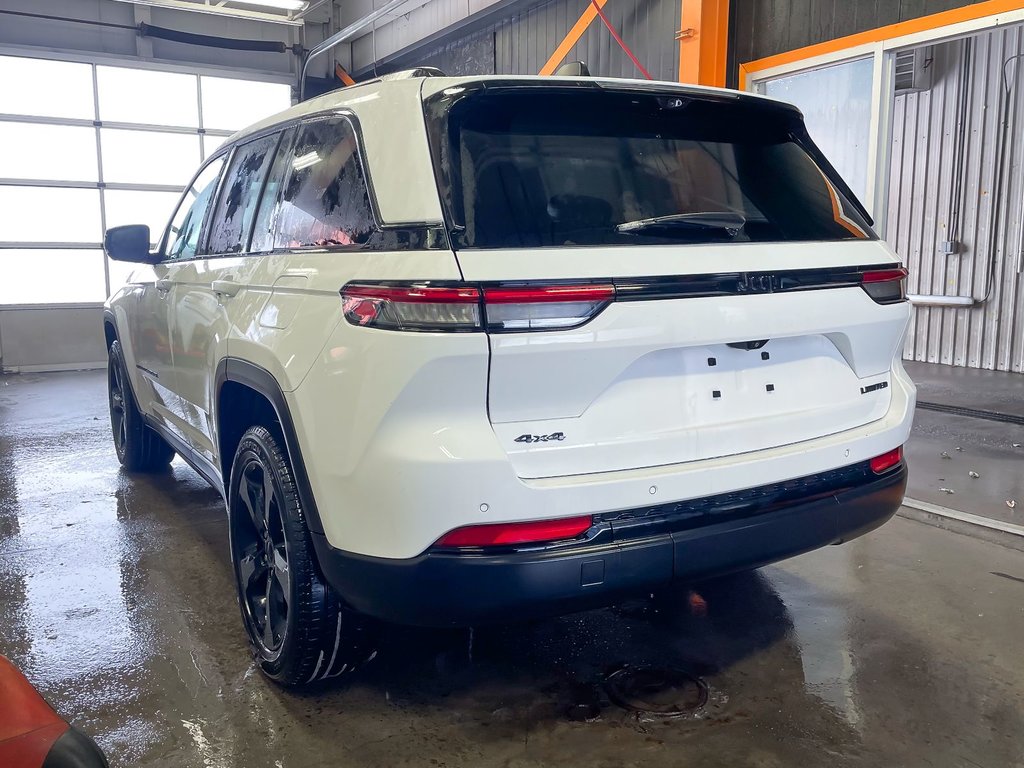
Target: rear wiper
<point>729,222</point>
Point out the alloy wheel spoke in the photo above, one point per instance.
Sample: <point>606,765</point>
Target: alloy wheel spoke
<point>268,621</point>
<point>268,500</point>
<point>249,492</point>
<point>282,574</point>
<point>248,568</point>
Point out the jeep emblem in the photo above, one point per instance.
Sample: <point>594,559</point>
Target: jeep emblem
<point>757,283</point>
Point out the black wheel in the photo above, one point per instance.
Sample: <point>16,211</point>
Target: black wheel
<point>139,448</point>
<point>299,630</point>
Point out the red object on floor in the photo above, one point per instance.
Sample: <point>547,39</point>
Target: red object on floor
<point>28,726</point>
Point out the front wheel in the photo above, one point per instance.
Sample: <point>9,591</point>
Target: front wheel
<point>299,630</point>
<point>139,448</point>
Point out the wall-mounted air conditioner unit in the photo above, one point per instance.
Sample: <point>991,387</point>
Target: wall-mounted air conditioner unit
<point>913,70</point>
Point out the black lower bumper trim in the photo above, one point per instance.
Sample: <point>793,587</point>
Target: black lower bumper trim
<point>456,589</point>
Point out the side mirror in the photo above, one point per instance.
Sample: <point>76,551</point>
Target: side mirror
<point>129,243</point>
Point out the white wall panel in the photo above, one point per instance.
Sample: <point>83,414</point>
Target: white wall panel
<point>923,187</point>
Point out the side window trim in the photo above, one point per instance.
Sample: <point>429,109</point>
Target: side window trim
<point>285,144</point>
<point>165,238</point>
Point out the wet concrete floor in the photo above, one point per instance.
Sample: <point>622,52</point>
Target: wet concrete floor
<point>902,648</point>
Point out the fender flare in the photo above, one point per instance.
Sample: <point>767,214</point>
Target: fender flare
<point>262,381</point>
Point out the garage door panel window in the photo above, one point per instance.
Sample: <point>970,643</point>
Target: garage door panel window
<point>130,207</point>
<point>38,276</point>
<point>47,152</point>
<point>149,157</point>
<point>49,215</point>
<point>90,146</point>
<point>147,96</point>
<point>211,144</point>
<point>325,201</point>
<point>239,195</point>
<point>30,86</point>
<point>230,104</point>
<point>187,223</point>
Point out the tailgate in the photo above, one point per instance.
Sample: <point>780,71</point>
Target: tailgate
<point>654,381</point>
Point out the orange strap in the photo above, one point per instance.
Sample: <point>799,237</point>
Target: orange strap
<point>572,37</point>
<point>341,74</point>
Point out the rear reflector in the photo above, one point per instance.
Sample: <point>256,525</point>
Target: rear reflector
<point>886,461</point>
<point>506,534</point>
<point>885,286</point>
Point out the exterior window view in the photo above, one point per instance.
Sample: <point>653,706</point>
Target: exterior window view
<point>530,384</point>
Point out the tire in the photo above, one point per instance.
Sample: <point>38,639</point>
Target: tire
<point>300,632</point>
<point>139,448</point>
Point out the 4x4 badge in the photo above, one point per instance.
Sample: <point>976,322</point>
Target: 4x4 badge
<point>540,438</point>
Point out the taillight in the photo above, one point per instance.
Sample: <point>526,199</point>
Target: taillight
<point>548,307</point>
<point>887,460</point>
<point>507,534</point>
<point>885,286</point>
<point>470,308</point>
<point>412,308</point>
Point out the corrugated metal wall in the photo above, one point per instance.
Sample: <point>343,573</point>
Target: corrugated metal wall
<point>759,28</point>
<point>923,186</point>
<point>522,43</point>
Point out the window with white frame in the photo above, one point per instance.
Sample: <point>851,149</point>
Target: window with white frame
<point>836,101</point>
<point>90,146</point>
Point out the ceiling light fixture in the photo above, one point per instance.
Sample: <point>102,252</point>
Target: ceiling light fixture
<point>285,5</point>
<point>293,9</point>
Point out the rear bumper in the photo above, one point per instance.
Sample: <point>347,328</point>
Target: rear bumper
<point>458,589</point>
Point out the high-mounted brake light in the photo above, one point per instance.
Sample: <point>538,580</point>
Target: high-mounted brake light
<point>887,460</point>
<point>886,286</point>
<point>469,308</point>
<point>508,534</point>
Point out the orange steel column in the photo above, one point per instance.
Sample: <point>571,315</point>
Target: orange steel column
<point>703,40</point>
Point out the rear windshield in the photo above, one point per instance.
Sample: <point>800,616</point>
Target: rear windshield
<point>531,167</point>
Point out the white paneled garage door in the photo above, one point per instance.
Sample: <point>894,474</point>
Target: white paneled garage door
<point>87,146</point>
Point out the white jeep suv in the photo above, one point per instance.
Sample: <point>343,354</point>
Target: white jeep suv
<point>459,350</point>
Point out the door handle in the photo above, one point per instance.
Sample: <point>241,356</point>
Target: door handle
<point>163,286</point>
<point>226,287</point>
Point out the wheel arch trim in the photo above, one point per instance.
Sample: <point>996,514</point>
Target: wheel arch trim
<point>263,382</point>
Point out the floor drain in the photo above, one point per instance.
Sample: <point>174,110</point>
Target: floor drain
<point>655,691</point>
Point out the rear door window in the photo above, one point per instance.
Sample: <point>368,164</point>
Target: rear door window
<point>325,202</point>
<point>537,167</point>
<point>239,195</point>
